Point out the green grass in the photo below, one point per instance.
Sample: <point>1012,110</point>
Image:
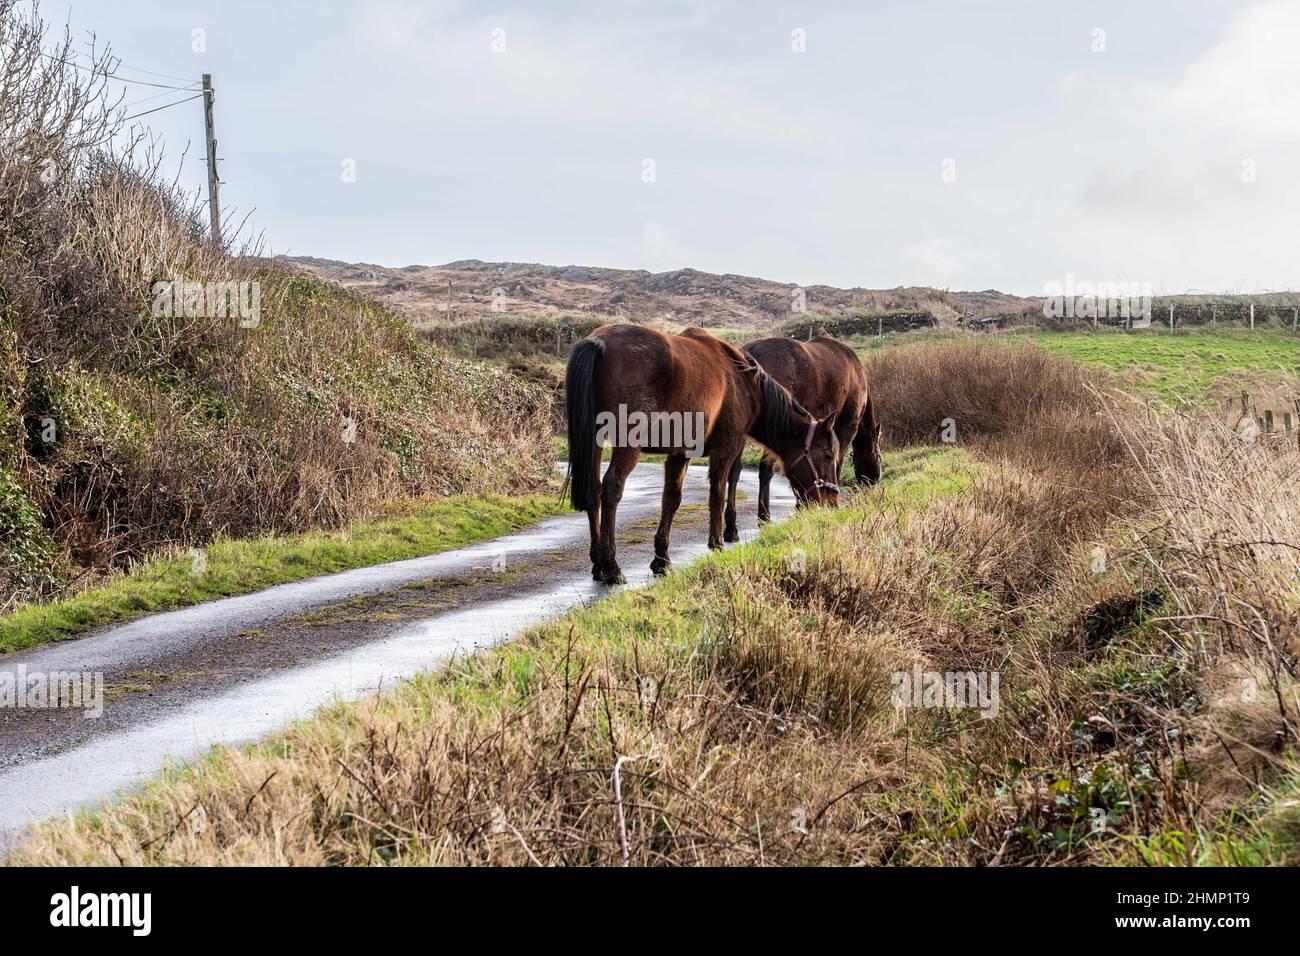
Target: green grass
<point>231,567</point>
<point>1180,368</point>
<point>1183,365</point>
<point>1266,833</point>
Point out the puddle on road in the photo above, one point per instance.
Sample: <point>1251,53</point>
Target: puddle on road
<point>90,773</point>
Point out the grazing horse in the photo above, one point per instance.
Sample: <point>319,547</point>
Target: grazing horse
<point>826,377</point>
<point>684,396</point>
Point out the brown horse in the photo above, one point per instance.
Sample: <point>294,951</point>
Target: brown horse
<point>826,377</point>
<point>685,396</point>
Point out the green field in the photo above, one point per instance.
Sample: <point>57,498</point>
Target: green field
<point>1185,365</point>
<point>1180,368</point>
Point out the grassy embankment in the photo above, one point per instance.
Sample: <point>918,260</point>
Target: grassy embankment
<point>1118,572</point>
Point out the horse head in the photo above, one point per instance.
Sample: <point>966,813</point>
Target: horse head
<point>806,445</point>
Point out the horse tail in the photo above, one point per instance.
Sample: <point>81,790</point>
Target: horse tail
<point>580,404</point>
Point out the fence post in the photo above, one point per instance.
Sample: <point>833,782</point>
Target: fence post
<point>1252,316</point>
<point>1295,317</point>
<point>1171,318</point>
<point>1268,419</point>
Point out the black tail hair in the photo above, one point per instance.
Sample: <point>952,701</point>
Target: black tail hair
<point>580,404</point>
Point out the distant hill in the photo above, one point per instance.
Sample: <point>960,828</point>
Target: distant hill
<point>684,296</point>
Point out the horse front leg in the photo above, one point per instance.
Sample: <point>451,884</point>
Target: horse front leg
<point>674,476</point>
<point>764,489</point>
<point>719,469</point>
<point>844,437</point>
<point>731,532</point>
<point>622,461</point>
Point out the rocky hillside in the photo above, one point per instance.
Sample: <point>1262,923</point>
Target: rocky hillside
<point>685,296</point>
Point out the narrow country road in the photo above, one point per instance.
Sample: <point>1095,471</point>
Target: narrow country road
<point>233,670</point>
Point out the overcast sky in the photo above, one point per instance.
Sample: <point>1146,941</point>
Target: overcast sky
<point>965,145</point>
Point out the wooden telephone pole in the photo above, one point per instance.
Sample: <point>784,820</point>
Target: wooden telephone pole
<point>214,182</point>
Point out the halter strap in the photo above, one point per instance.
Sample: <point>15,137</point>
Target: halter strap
<point>806,455</point>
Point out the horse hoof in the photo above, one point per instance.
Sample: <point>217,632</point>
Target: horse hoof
<point>731,536</point>
<point>609,575</point>
<point>660,566</point>
<point>715,545</point>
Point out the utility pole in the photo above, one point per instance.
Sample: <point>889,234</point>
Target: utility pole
<point>214,182</point>
<point>448,300</point>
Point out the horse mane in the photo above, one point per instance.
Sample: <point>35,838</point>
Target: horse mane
<point>777,405</point>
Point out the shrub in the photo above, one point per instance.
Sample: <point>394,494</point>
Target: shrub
<point>857,323</point>
<point>28,556</point>
<point>512,335</point>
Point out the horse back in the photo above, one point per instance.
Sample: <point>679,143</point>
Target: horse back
<point>647,370</point>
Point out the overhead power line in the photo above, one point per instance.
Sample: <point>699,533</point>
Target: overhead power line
<point>146,99</point>
<point>114,76</point>
<point>165,76</point>
<point>165,106</point>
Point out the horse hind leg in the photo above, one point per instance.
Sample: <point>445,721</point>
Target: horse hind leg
<point>605,568</point>
<point>593,512</point>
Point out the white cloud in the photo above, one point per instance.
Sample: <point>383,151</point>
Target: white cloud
<point>1250,81</point>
